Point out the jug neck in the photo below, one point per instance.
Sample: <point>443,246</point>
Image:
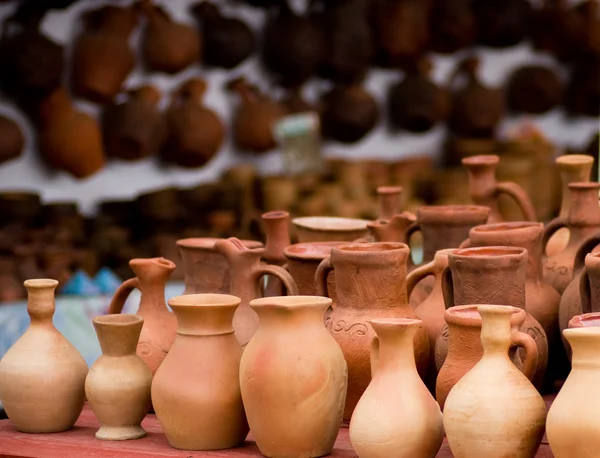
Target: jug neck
<point>585,209</point>
<point>290,313</point>
<point>573,168</point>
<point>118,334</point>
<point>40,300</point>
<point>496,329</point>
<point>277,232</point>
<point>585,343</point>
<point>393,348</point>
<point>152,274</point>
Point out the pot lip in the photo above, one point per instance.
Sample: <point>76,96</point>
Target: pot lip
<point>163,262</point>
<point>507,226</point>
<point>394,322</point>
<point>445,213</point>
<point>367,249</point>
<point>275,214</point>
<point>208,243</point>
<point>482,159</point>
<point>312,250</point>
<point>290,302</point>
<point>204,300</point>
<point>579,321</point>
<point>40,283</point>
<point>574,159</point>
<point>468,315</point>
<point>585,185</point>
<point>582,331</point>
<point>118,320</point>
<point>389,190</point>
<point>330,223</point>
<point>489,252</point>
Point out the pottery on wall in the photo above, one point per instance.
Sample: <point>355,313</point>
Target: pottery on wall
<point>453,26</point>
<point>370,283</point>
<point>12,140</point>
<point>494,410</point>
<point>117,386</point>
<point>293,378</point>
<point>200,409</point>
<point>502,25</point>
<point>329,229</point>
<point>534,89</point>
<point>160,324</point>
<point>102,58</point>
<point>484,189</point>
<point>42,375</point>
<point>409,423</point>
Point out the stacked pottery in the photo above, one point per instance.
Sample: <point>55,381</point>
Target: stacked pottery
<point>494,411</point>
<point>370,283</point>
<point>293,378</point>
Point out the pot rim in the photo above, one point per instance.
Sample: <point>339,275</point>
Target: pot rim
<point>507,226</point>
<point>290,302</point>
<point>482,159</point>
<point>579,321</point>
<point>204,300</point>
<point>315,250</point>
<point>368,248</point>
<point>330,223</point>
<point>489,252</point>
<point>118,319</point>
<point>208,243</point>
<point>458,315</point>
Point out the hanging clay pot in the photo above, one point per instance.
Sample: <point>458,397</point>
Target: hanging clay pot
<point>590,33</point>
<point>168,46</point>
<point>11,140</point>
<point>292,45</point>
<point>494,410</point>
<point>557,29</point>
<point>476,108</point>
<point>502,24</point>
<point>389,429</point>
<point>453,26</point>
<point>534,89</point>
<point>349,113</point>
<point>68,139</point>
<point>254,118</point>
<point>228,41</point>
<point>42,376</point>
<point>348,41</point>
<point>416,103</point>
<point>583,92</point>
<point>134,129</point>
<point>195,133</point>
<point>159,327</point>
<point>102,58</point>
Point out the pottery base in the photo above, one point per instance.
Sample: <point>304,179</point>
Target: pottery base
<point>120,433</point>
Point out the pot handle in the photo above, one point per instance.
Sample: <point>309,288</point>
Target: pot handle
<point>417,275</point>
<point>321,277</point>
<point>410,230</point>
<point>121,295</point>
<point>374,354</point>
<point>447,287</point>
<point>553,226</point>
<point>268,269</point>
<point>584,248</point>
<point>526,342</point>
<point>520,197</point>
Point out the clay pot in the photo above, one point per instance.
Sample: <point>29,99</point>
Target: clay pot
<point>572,425</point>
<point>582,93</point>
<point>494,410</point>
<point>484,189</point>
<point>476,109</point>
<point>102,58</point>
<point>134,129</point>
<point>42,357</point>
<point>534,89</point>
<point>465,347</point>
<point>168,46</point>
<point>453,26</point>
<point>388,429</point>
<point>502,25</point>
<point>329,229</point>
<point>276,225</point>
<point>292,45</point>
<point>541,298</point>
<point>573,168</point>
<point>392,230</point>
<point>556,28</point>
<point>246,271</point>
<point>118,384</point>
<point>159,327</point>
<point>295,397</point>
<point>195,132</point>
<point>370,283</point>
<point>349,113</point>
<point>491,274</point>
<point>195,412</point>
<point>254,118</point>
<point>583,220</point>
<point>11,139</point>
<point>68,139</point>
<point>416,103</point>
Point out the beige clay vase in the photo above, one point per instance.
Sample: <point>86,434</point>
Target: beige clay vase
<point>42,376</point>
<point>494,411</point>
<point>293,378</point>
<point>329,228</point>
<point>396,416</point>
<point>118,384</point>
<point>196,391</point>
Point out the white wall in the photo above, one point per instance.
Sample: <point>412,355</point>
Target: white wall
<point>125,180</point>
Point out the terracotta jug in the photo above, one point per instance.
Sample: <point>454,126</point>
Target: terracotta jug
<point>431,310</point>
<point>11,140</point>
<point>494,275</point>
<point>464,347</point>
<point>583,220</point>
<point>329,228</point>
<point>201,409</point>
<point>254,118</point>
<point>494,411</point>
<point>102,58</point>
<point>570,302</point>
<point>392,230</point>
<point>134,129</point>
<point>42,376</point>
<point>69,139</point>
<point>195,131</point>
<point>160,324</point>
<point>168,46</point>
<point>409,423</point>
<point>541,298</point>
<point>246,271</point>
<point>276,225</point>
<point>573,168</point>
<point>572,424</point>
<point>370,283</point>
<point>293,378</point>
<point>118,384</point>
<point>484,189</point>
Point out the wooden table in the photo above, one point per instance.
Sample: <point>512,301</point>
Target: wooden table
<point>81,443</point>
